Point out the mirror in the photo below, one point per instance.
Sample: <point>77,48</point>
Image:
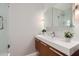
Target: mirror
<point>59,16</point>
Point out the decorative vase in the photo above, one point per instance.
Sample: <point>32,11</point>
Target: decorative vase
<point>44,33</point>
<point>68,39</point>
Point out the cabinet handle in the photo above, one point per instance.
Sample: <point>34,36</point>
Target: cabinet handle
<point>55,51</point>
<point>43,43</point>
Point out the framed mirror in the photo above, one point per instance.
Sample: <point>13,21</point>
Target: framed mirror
<point>59,16</point>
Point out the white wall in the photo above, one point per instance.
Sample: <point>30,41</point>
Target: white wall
<point>24,24</point>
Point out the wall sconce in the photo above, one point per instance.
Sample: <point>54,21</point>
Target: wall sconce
<point>76,9</point>
<point>42,22</point>
<point>77,6</point>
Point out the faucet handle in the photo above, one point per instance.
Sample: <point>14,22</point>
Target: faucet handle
<point>8,45</point>
<point>53,34</point>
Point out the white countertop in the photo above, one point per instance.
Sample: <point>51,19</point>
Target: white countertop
<point>67,48</point>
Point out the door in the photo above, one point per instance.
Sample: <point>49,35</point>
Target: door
<point>43,49</point>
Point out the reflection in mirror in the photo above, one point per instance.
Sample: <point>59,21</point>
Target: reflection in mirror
<point>59,16</point>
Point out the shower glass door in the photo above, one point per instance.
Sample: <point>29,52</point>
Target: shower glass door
<point>3,29</point>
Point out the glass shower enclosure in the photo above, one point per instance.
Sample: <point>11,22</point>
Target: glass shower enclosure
<point>3,29</point>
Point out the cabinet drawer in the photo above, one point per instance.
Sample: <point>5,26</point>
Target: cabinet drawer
<point>57,52</point>
<point>53,52</point>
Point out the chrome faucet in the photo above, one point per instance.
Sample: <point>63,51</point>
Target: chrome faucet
<point>53,34</point>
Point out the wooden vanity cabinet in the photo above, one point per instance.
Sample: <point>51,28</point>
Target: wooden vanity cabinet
<point>43,51</point>
<point>46,50</point>
<point>41,47</point>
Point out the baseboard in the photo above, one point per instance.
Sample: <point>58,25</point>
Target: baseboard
<point>33,54</point>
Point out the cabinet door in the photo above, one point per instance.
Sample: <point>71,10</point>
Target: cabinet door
<point>43,49</point>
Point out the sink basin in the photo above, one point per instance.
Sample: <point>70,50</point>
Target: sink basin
<point>67,48</point>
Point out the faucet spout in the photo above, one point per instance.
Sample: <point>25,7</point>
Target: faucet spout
<point>53,34</point>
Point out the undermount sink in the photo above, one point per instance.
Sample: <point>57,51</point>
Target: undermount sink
<point>66,47</point>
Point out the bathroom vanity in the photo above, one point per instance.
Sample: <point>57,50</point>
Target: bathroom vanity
<point>48,46</point>
<point>58,20</point>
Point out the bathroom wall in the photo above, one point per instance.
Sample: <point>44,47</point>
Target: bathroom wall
<point>4,32</point>
<point>24,24</point>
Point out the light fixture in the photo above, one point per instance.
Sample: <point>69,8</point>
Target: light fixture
<point>77,6</point>
<point>76,14</point>
<point>76,9</point>
<point>42,23</point>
